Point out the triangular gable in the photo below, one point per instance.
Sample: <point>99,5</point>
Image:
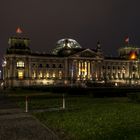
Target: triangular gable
<point>85,53</point>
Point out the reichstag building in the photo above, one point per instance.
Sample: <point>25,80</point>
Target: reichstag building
<point>68,64</point>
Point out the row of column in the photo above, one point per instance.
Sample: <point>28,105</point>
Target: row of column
<point>83,70</point>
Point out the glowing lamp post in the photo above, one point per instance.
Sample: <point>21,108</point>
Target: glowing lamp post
<point>0,75</point>
<point>4,65</point>
<point>26,104</point>
<point>63,102</point>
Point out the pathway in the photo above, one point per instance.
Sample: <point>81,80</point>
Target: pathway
<point>17,125</point>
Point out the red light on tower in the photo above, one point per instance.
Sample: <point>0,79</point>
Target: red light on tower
<point>18,31</point>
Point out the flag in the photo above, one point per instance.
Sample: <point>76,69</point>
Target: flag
<point>127,40</point>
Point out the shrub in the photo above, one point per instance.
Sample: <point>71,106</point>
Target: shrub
<point>134,96</point>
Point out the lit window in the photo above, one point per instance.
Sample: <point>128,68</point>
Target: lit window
<point>60,74</point>
<point>40,75</point>
<point>53,75</point>
<point>20,74</point>
<point>34,74</point>
<point>47,75</point>
<point>20,64</point>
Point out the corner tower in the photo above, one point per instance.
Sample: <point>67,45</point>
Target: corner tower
<point>18,44</point>
<point>16,61</point>
<point>129,51</point>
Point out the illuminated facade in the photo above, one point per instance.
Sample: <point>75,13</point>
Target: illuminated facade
<point>69,64</point>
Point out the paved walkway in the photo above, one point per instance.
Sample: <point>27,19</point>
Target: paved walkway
<point>17,125</point>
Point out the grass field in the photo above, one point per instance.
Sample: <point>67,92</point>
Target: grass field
<point>88,118</point>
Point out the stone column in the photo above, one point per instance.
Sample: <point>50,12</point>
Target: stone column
<point>89,70</point>
<point>66,71</point>
<point>92,69</point>
<point>14,63</point>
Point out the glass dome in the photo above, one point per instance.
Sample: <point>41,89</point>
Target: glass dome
<point>66,44</point>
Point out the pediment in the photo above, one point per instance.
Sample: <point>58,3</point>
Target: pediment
<point>85,53</point>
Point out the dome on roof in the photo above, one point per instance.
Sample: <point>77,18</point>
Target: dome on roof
<point>66,44</point>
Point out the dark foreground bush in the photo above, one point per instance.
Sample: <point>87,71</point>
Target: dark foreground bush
<point>134,96</point>
<point>100,92</point>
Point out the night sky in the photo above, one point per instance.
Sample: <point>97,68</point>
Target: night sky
<point>86,21</point>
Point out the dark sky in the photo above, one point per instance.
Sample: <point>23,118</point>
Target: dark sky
<point>87,21</point>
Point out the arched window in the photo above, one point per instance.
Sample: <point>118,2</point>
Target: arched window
<point>20,64</point>
<point>60,66</point>
<point>20,74</point>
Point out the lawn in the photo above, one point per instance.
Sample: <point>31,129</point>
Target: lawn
<point>87,118</point>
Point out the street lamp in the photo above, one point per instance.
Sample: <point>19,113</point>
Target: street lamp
<point>0,75</point>
<point>3,65</point>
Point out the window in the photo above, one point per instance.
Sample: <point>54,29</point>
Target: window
<point>20,75</point>
<point>34,74</point>
<point>60,74</point>
<point>133,76</point>
<point>20,64</point>
<point>134,68</point>
<point>104,67</point>
<point>47,75</point>
<point>53,75</point>
<point>33,65</point>
<point>124,67</point>
<point>123,75</point>
<point>40,66</point>
<point>114,75</point>
<point>60,66</point>
<point>47,66</point>
<point>119,75</point>
<point>53,66</point>
<point>40,75</point>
